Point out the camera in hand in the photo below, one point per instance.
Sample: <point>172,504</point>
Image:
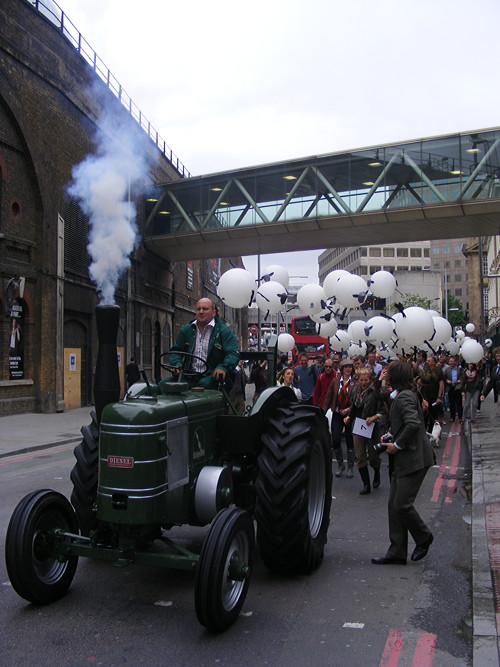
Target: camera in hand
<point>384,441</point>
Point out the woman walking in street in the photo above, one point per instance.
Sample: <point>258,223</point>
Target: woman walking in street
<point>368,407</point>
<point>413,456</point>
<point>471,388</point>
<point>288,379</point>
<point>338,400</point>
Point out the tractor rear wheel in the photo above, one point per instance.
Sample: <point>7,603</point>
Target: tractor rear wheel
<point>224,569</point>
<point>84,477</point>
<point>36,571</point>
<point>294,489</point>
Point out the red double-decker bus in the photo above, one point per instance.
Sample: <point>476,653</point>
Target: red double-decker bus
<point>303,330</point>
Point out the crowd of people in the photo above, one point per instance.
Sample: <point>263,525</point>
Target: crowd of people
<point>355,395</point>
<point>376,403</point>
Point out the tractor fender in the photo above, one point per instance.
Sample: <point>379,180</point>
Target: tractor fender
<point>213,492</point>
<point>270,399</point>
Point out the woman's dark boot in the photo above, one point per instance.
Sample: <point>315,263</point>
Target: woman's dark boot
<point>350,461</point>
<point>340,460</point>
<point>376,478</point>
<point>365,476</point>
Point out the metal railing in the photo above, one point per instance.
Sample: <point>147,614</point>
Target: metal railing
<point>51,11</point>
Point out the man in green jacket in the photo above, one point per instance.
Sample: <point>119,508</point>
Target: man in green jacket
<point>208,338</point>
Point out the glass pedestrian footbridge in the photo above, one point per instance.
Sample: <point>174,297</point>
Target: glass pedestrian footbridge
<point>436,188</point>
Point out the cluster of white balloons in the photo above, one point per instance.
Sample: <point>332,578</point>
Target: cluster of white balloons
<point>413,327</point>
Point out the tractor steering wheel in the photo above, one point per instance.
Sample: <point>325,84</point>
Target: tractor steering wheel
<point>176,369</point>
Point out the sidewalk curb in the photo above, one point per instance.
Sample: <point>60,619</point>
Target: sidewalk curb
<point>485,646</point>
<point>36,448</point>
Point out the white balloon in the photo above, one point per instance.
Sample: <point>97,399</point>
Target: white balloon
<point>327,329</point>
<point>324,315</point>
<point>434,313</point>
<point>331,280</point>
<point>443,331</point>
<point>236,287</point>
<point>355,349</point>
<point>470,328</point>
<point>460,334</point>
<point>286,342</point>
<point>348,288</point>
<point>269,296</point>
<point>380,329</point>
<point>397,346</point>
<point>415,326</point>
<point>356,331</point>
<point>311,298</point>
<point>452,346</point>
<point>277,273</point>
<point>340,311</point>
<point>472,351</point>
<point>341,341</point>
<point>488,343</point>
<point>382,284</point>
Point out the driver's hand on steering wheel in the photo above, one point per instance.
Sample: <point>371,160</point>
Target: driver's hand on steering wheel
<point>176,370</point>
<point>219,375</point>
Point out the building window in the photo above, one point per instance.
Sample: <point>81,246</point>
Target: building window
<point>446,250</point>
<point>437,265</point>
<point>389,252</point>
<point>426,252</point>
<point>375,252</point>
<point>435,251</point>
<point>76,233</point>
<point>415,252</point>
<point>166,338</point>
<point>458,262</point>
<point>485,264</point>
<point>363,252</point>
<point>402,252</point>
<point>486,299</point>
<point>458,277</point>
<point>373,269</point>
<point>458,291</point>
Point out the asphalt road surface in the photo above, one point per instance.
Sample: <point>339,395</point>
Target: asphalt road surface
<point>348,613</point>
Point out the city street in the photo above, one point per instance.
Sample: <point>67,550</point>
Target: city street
<point>348,613</point>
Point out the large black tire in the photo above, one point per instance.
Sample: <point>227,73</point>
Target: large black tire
<point>294,489</point>
<point>224,569</point>
<point>36,572</point>
<point>84,477</point>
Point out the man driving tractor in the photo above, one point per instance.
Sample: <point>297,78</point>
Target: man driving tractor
<point>213,345</point>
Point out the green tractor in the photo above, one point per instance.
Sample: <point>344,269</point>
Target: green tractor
<point>168,455</point>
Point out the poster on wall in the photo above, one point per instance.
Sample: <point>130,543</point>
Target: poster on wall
<point>16,341</point>
<point>212,271</point>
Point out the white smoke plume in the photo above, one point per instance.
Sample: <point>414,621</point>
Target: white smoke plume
<point>103,183</point>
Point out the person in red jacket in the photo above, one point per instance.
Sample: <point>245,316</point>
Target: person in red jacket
<point>323,382</point>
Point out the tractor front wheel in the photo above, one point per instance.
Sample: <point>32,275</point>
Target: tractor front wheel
<point>37,573</point>
<point>224,569</point>
<point>294,489</point>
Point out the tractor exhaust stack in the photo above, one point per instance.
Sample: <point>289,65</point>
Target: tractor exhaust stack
<point>106,378</point>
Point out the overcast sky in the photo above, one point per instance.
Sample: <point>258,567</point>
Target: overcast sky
<point>230,84</point>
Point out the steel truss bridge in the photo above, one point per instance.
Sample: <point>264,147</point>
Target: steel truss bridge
<point>436,188</point>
